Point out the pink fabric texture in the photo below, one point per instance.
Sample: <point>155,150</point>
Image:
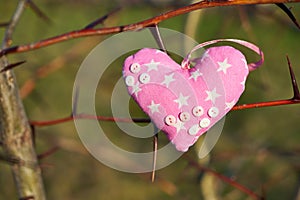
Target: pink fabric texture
<point>185,102</point>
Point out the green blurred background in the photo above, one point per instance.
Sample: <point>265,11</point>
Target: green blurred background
<point>258,148</point>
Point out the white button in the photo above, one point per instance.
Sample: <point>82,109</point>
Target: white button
<point>204,123</point>
<point>129,80</point>
<point>144,78</point>
<point>184,116</point>
<point>135,68</point>
<point>213,112</point>
<point>198,111</point>
<point>194,129</point>
<point>170,120</point>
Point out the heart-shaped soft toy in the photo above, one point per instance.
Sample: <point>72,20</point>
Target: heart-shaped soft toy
<point>185,102</point>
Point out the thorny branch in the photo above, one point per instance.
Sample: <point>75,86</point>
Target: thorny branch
<point>223,178</point>
<point>136,26</point>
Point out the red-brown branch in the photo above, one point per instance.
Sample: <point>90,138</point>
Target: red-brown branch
<point>136,26</point>
<point>147,120</point>
<point>87,116</point>
<point>224,178</point>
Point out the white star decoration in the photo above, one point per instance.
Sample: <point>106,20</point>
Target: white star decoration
<point>229,105</point>
<point>205,55</point>
<point>182,100</point>
<point>136,89</point>
<point>152,65</point>
<point>195,75</point>
<point>168,79</point>
<point>223,66</point>
<point>153,107</point>
<point>212,95</point>
<point>179,126</point>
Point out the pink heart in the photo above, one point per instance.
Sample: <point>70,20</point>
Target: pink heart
<point>184,103</point>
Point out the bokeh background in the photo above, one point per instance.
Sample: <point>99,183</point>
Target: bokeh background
<point>258,148</point>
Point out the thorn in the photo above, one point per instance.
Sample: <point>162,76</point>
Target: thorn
<point>33,134</point>
<point>294,81</point>
<point>27,198</point>
<point>155,142</point>
<point>101,19</point>
<point>3,24</point>
<point>155,32</point>
<point>10,160</point>
<point>289,13</point>
<point>48,153</point>
<point>38,11</point>
<point>13,65</point>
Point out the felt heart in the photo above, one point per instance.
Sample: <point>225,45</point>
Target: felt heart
<point>185,102</point>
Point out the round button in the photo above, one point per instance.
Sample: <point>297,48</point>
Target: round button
<point>135,68</point>
<point>144,78</point>
<point>194,129</point>
<point>204,123</point>
<point>213,112</point>
<point>198,111</point>
<point>129,80</point>
<point>184,116</point>
<point>170,120</point>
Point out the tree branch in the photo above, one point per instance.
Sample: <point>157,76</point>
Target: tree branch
<point>136,26</point>
<point>15,131</point>
<point>223,178</point>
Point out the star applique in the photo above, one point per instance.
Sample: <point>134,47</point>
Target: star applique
<point>212,95</point>
<point>168,79</point>
<point>205,55</point>
<point>223,66</point>
<point>179,126</point>
<point>136,89</point>
<point>152,65</point>
<point>195,75</point>
<point>229,105</point>
<point>153,107</point>
<point>182,100</point>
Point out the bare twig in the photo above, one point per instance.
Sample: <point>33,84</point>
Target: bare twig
<point>4,24</point>
<point>12,24</point>
<point>294,81</point>
<point>38,11</point>
<point>48,152</point>
<point>155,142</point>
<point>100,20</point>
<point>158,39</point>
<point>87,116</point>
<point>12,65</point>
<point>136,26</point>
<point>289,13</point>
<point>223,178</point>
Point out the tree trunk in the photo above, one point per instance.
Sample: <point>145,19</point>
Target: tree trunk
<point>15,132</point>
